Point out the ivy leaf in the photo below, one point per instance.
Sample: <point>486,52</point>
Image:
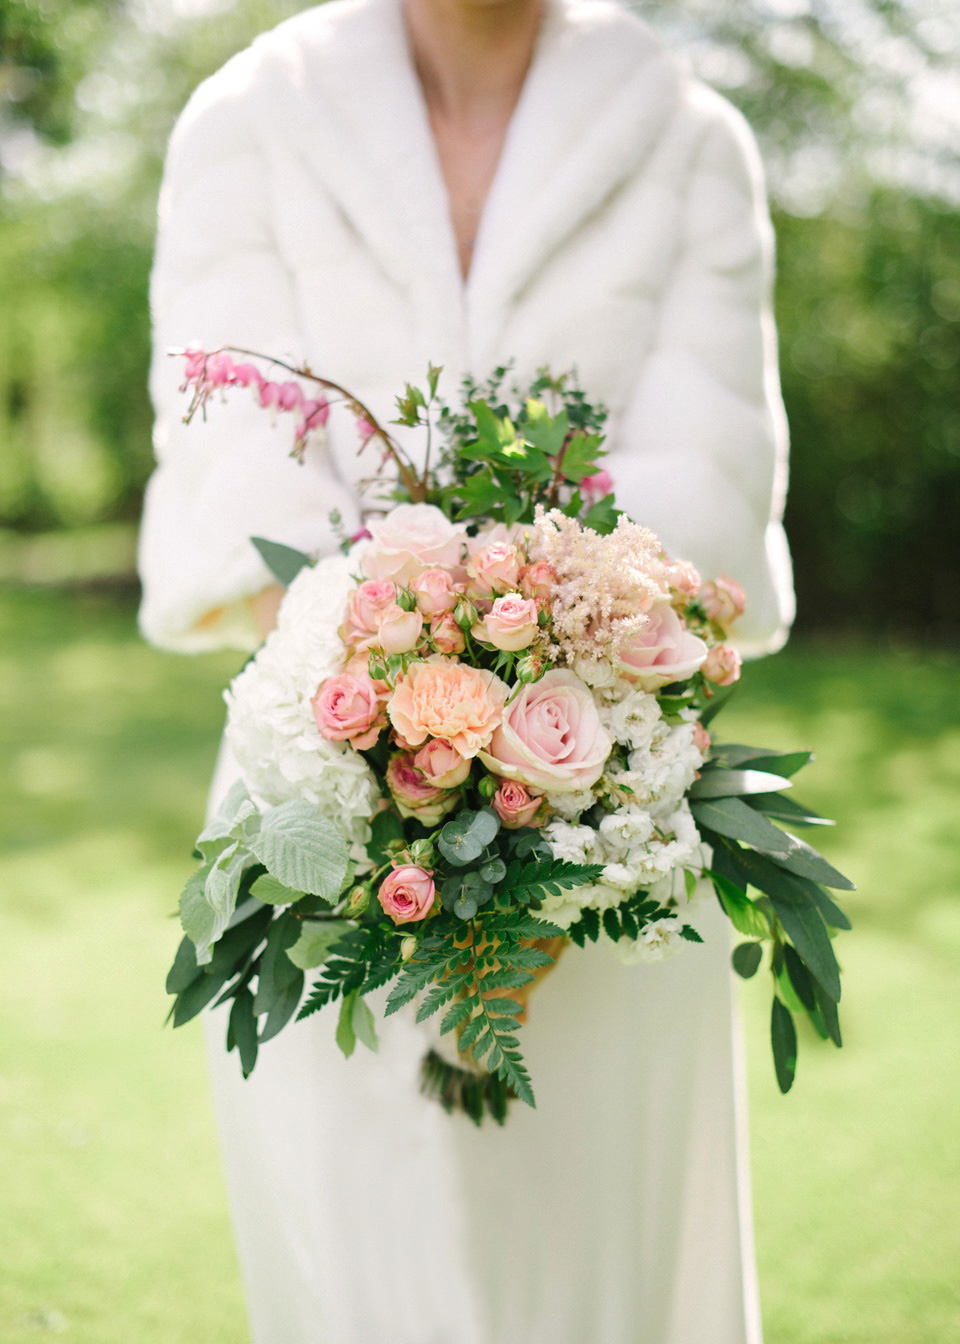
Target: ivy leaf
<point>783,1037</point>
<point>283,562</point>
<point>302,849</point>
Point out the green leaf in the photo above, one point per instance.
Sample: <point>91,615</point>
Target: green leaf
<point>746,958</point>
<point>302,849</point>
<point>184,969</point>
<point>717,702</point>
<point>732,817</point>
<point>276,971</point>
<point>283,562</point>
<point>243,1030</point>
<point>602,517</point>
<point>317,940</point>
<point>743,914</point>
<point>271,892</point>
<point>787,809</point>
<point>783,1037</point>
<point>283,1008</point>
<point>806,930</point>
<point>730,783</point>
<point>346,1033</point>
<point>800,978</point>
<point>581,456</point>
<point>196,996</point>
<point>364,1027</point>
<point>782,763</point>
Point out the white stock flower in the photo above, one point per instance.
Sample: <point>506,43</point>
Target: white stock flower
<point>575,844</point>
<point>632,719</point>
<point>570,805</point>
<point>657,942</point>
<point>661,774</point>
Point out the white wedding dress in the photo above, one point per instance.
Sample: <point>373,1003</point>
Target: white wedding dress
<point>304,214</point>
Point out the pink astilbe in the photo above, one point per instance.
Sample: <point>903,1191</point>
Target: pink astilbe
<point>604,584</point>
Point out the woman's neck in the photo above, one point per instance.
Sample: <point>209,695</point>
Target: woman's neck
<point>471,57</point>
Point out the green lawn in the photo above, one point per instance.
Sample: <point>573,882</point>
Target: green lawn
<point>112,1220</point>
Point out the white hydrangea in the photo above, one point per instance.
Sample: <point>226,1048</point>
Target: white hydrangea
<point>632,719</point>
<point>271,729</point>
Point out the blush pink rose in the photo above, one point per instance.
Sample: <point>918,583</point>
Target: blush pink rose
<point>516,806</point>
<point>511,623</point>
<point>364,606</point>
<point>442,698</point>
<point>494,568</point>
<point>398,630</point>
<point>407,894</point>
<point>723,600</point>
<point>538,580</point>
<point>722,665</point>
<point>683,579</point>
<point>441,765</point>
<point>551,737</point>
<point>411,538</point>
<point>434,592</point>
<point>347,708</point>
<point>662,652</point>
<point>446,634</point>
<point>414,795</point>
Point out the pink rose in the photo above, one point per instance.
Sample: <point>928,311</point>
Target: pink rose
<point>538,580</point>
<point>434,592</point>
<point>683,579</point>
<point>442,698</point>
<point>446,634</point>
<point>412,537</point>
<point>399,630</point>
<point>722,665</point>
<point>364,606</point>
<point>723,600</point>
<point>511,623</point>
<point>347,708</point>
<point>551,737</point>
<point>414,795</point>
<point>662,652</point>
<point>494,568</point>
<point>407,894</point>
<point>441,765</point>
<point>515,806</point>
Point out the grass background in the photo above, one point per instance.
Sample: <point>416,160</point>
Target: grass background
<point>112,1220</point>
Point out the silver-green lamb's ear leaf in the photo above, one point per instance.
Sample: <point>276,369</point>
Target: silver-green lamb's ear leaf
<point>283,562</point>
<point>271,892</point>
<point>736,783</point>
<point>302,849</point>
<point>316,941</point>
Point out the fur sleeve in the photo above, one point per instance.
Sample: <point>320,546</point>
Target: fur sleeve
<point>218,278</point>
<point>707,415</point>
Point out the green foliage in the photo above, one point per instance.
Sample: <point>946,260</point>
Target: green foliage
<point>283,562</point>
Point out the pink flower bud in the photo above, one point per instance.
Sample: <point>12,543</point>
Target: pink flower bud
<point>441,765</point>
<point>399,630</point>
<point>516,806</point>
<point>407,894</point>
<point>290,396</point>
<point>245,374</point>
<point>446,635</point>
<point>434,592</point>
<point>511,624</point>
<point>538,580</point>
<point>722,665</point>
<point>723,600</point>
<point>701,739</point>
<point>683,579</point>
<point>596,487</point>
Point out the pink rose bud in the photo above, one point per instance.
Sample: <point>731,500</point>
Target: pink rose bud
<point>407,894</point>
<point>511,624</point>
<point>596,487</point>
<point>516,806</point>
<point>441,765</point>
<point>722,665</point>
<point>446,635</point>
<point>683,579</point>
<point>348,709</point>
<point>538,580</point>
<point>723,600</point>
<point>434,592</point>
<point>414,795</point>
<point>701,739</point>
<point>366,603</point>
<point>494,568</point>
<point>399,630</point>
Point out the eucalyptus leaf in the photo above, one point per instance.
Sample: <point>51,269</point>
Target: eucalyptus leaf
<point>735,783</point>
<point>302,849</point>
<point>283,562</point>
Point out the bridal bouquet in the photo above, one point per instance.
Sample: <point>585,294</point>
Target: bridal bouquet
<point>479,734</point>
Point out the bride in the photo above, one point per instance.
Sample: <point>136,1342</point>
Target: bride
<point>373,185</point>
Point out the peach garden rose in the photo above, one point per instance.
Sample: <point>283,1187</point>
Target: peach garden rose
<point>441,698</point>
